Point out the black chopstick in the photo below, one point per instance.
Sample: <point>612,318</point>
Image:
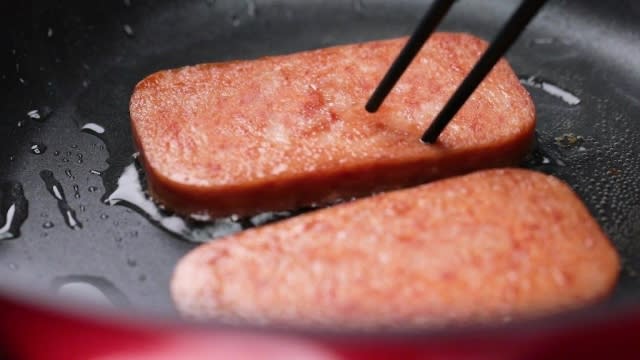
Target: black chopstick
<point>503,41</point>
<point>428,23</point>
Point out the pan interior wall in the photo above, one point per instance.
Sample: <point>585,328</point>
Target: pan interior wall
<point>75,64</point>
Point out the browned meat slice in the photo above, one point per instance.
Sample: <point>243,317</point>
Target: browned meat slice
<point>485,246</point>
<point>283,132</point>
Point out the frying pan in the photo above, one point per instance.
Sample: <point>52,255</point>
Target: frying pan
<point>76,63</point>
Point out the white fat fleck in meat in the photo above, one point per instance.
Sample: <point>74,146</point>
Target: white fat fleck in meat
<point>277,132</point>
<point>558,277</point>
<point>384,258</point>
<point>279,169</point>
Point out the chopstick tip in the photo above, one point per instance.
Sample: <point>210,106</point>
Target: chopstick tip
<point>371,107</point>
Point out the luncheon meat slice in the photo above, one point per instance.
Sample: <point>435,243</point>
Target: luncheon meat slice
<point>491,245</point>
<point>287,131</point>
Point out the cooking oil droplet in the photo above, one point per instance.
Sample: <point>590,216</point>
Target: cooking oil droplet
<point>69,174</point>
<point>569,140</point>
<point>129,192</point>
<point>38,148</point>
<point>269,217</point>
<point>48,225</point>
<point>104,216</point>
<point>56,153</point>
<point>95,172</point>
<point>14,209</point>
<point>198,228</point>
<point>92,189</point>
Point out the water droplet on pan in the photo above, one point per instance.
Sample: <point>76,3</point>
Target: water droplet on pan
<point>55,189</point>
<point>40,114</point>
<point>92,128</point>
<point>128,30</point>
<point>38,148</point>
<point>251,8</point>
<point>14,209</point>
<point>92,289</point>
<point>34,114</point>
<point>551,89</point>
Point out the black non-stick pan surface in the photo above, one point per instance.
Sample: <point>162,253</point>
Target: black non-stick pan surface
<point>69,68</point>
